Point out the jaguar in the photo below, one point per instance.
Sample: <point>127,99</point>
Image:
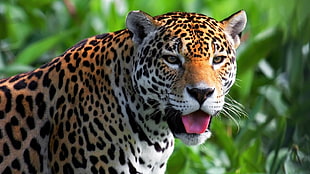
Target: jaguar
<point>115,102</point>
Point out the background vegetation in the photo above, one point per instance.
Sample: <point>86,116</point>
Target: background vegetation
<point>273,73</point>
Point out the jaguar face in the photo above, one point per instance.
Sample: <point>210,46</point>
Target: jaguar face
<point>186,64</point>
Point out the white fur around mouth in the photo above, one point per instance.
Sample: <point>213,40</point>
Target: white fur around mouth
<point>194,139</point>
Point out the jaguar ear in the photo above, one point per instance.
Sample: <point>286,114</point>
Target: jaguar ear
<point>234,25</point>
<point>140,24</point>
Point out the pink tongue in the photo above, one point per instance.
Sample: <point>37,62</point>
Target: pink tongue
<point>196,122</point>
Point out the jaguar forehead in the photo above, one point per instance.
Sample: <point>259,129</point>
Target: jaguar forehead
<point>199,37</point>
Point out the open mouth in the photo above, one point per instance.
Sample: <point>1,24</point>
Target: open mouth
<point>196,122</point>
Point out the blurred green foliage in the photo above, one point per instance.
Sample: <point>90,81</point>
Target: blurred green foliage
<point>273,73</point>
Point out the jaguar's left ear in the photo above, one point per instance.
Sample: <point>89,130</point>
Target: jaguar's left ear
<point>140,24</point>
<point>234,25</point>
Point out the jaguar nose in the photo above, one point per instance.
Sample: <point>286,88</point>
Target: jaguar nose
<point>200,94</point>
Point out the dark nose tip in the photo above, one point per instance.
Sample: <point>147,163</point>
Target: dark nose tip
<point>200,94</point>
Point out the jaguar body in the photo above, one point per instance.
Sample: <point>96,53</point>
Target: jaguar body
<point>115,102</point>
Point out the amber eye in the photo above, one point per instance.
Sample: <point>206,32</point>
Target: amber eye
<point>218,59</point>
<point>171,59</point>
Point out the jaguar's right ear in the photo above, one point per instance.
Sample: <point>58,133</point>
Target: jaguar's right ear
<point>140,24</point>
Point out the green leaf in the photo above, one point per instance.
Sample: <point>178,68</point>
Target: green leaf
<point>251,160</point>
<point>297,161</point>
<point>15,69</point>
<point>274,96</point>
<point>224,140</point>
<point>178,161</point>
<point>35,50</point>
<point>258,49</point>
<point>275,160</point>
<point>245,81</point>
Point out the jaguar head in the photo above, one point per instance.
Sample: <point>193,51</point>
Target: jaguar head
<point>185,63</point>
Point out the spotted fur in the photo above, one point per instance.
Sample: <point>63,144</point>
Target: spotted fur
<point>113,102</point>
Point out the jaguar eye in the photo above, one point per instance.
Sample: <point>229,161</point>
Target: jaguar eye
<point>218,59</point>
<point>171,59</point>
